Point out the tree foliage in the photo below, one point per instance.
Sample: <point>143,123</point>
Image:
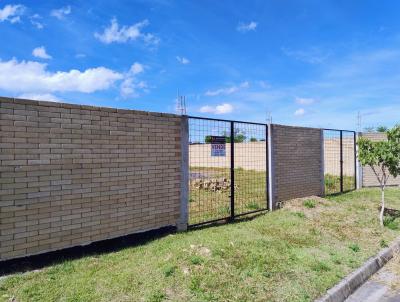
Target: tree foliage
<point>383,157</point>
<point>239,137</point>
<point>382,129</point>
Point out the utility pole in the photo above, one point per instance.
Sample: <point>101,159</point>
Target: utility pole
<point>359,124</point>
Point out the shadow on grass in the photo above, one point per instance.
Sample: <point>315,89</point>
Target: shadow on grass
<point>392,212</point>
<point>225,221</point>
<point>96,248</point>
<point>40,261</point>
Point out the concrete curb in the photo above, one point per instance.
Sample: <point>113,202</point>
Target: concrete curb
<point>348,285</point>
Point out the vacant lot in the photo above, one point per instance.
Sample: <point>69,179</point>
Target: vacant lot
<point>293,254</point>
<point>213,203</point>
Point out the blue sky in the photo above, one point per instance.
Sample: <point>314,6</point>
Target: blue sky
<point>312,63</point>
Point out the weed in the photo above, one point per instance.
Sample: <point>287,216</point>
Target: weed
<point>196,260</point>
<point>169,270</point>
<point>391,223</point>
<point>383,243</point>
<point>354,247</point>
<point>320,267</point>
<point>309,203</point>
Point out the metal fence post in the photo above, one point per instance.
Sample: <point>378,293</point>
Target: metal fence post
<point>271,169</point>
<point>267,167</point>
<point>355,161</point>
<point>184,202</point>
<point>358,165</point>
<point>322,163</point>
<point>232,170</point>
<point>341,161</point>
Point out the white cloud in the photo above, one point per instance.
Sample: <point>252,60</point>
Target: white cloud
<point>29,76</point>
<point>12,13</point>
<point>299,112</point>
<point>313,55</point>
<point>61,12</point>
<point>40,52</point>
<point>245,27</point>
<point>35,21</point>
<point>115,33</point>
<point>305,101</point>
<point>80,56</point>
<point>219,109</point>
<point>136,68</point>
<point>264,84</point>
<point>130,86</point>
<point>39,97</point>
<point>182,60</point>
<point>227,90</point>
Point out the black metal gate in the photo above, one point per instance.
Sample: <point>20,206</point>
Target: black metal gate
<point>340,168</point>
<point>228,169</point>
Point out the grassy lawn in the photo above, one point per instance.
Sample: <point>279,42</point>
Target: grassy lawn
<point>332,183</point>
<point>293,254</point>
<point>206,205</point>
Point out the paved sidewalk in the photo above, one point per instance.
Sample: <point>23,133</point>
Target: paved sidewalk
<point>379,288</point>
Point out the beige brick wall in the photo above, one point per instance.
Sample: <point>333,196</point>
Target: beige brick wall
<point>368,176</point>
<point>297,162</point>
<point>72,175</point>
<point>248,156</point>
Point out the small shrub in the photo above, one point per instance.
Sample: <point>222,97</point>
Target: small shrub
<point>196,260</point>
<point>354,247</point>
<point>383,243</point>
<point>169,270</point>
<point>309,203</point>
<point>391,223</point>
<point>157,296</point>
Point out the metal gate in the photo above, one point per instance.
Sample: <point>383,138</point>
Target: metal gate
<point>228,169</point>
<point>339,161</point>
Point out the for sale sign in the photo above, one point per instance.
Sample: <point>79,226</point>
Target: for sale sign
<point>218,146</point>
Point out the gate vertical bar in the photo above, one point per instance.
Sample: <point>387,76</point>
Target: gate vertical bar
<point>232,170</point>
<point>267,168</point>
<point>341,161</point>
<point>355,161</point>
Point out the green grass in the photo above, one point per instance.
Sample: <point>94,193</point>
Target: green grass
<point>250,194</point>
<point>309,203</point>
<point>292,254</point>
<point>332,183</point>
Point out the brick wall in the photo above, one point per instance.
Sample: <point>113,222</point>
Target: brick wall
<point>297,162</point>
<point>71,174</point>
<point>368,176</point>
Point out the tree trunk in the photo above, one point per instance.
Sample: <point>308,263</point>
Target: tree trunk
<point>382,205</point>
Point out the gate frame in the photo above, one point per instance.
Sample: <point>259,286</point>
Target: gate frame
<point>232,216</point>
<point>341,191</point>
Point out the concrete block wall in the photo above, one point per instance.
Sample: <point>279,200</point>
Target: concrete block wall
<point>297,162</point>
<point>368,177</point>
<point>72,175</point>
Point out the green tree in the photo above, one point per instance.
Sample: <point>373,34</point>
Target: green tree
<point>239,137</point>
<point>253,139</point>
<point>381,128</point>
<point>384,159</point>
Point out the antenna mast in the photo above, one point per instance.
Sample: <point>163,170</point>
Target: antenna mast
<point>180,104</point>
